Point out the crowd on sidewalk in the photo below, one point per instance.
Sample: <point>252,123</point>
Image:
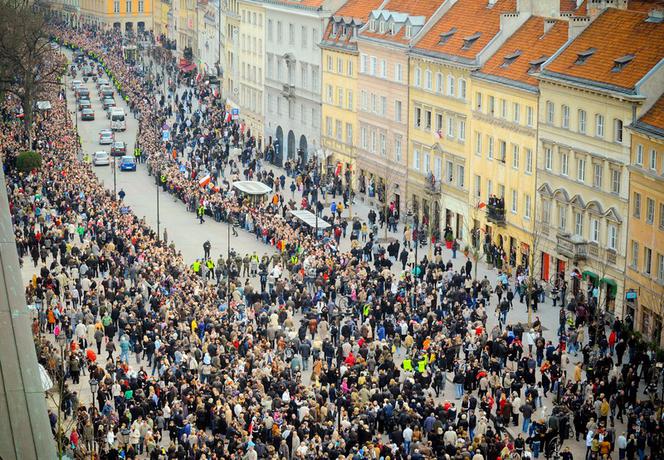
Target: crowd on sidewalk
<point>338,354</point>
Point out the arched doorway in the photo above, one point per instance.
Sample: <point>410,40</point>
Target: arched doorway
<point>303,148</point>
<point>129,26</point>
<point>140,26</point>
<point>278,147</point>
<point>117,25</point>
<point>291,145</point>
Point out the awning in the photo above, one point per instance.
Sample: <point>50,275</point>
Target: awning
<point>309,218</point>
<point>613,286</point>
<point>594,277</point>
<point>252,187</point>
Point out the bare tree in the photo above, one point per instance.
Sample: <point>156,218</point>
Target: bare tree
<point>28,68</point>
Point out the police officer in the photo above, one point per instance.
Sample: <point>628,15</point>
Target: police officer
<point>201,214</point>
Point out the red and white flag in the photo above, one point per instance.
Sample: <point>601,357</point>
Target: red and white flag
<point>227,118</point>
<point>204,181</point>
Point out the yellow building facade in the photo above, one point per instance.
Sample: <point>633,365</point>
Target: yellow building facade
<point>127,15</point>
<point>231,83</point>
<point>252,68</point>
<point>644,280</point>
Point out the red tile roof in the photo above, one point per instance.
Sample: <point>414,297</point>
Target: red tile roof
<point>531,44</point>
<point>655,116</point>
<point>424,8</point>
<point>614,34</point>
<point>469,18</point>
<point>359,9</point>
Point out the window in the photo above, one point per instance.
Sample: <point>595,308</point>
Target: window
<point>383,144</point>
<point>565,117</point>
<point>128,6</point>
<point>427,80</point>
<point>330,94</point>
<point>462,89</point>
<point>374,103</point>
<point>340,66</point>
<point>546,211</point>
<point>490,152</point>
<point>363,137</point>
<point>462,130</point>
<point>550,112</point>
<point>427,119</point>
<point>364,60</point>
<point>416,159</point>
<point>349,133</point>
<point>582,121</point>
<point>439,82</point>
<point>653,160</point>
<point>489,188</point>
<point>383,69</point>
<point>450,85</point>
<point>374,141</point>
<point>661,216</point>
<point>578,223</point>
<point>397,111</point>
<point>502,150</point>
<point>303,37</point>
<point>330,67</point>
<point>280,32</point>
<point>478,186</point>
<point>617,130</point>
<point>598,170</point>
<point>650,210</point>
<point>372,65</point>
<point>634,263</point>
<point>515,156</point>
<point>338,129</point>
<point>141,6</point>
<point>461,176</point>
<point>291,34</point>
<point>364,100</point>
<point>647,261</point>
<point>639,155</point>
<point>516,112</point>
<point>116,6</point>
<point>581,169</point>
<point>349,96</point>
<point>503,108</point>
<point>397,148</point>
<point>449,171</point>
<point>612,239</point>
<point>515,199</point>
<point>637,205</point>
<point>615,181</point>
<point>383,105</point>
<point>328,126</point>
<point>594,229</point>
<point>492,105</point>
<point>564,163</point>
<point>304,75</point>
<point>417,78</point>
<point>527,205</point>
<point>439,123</point>
<point>427,160</point>
<point>398,73</point>
<point>450,127</point>
<point>562,217</point>
<point>314,77</point>
<point>660,268</point>
<point>599,125</point>
<point>529,161</point>
<point>478,143</point>
<point>548,158</point>
<point>349,68</point>
<point>529,116</point>
<point>478,101</point>
<point>340,97</point>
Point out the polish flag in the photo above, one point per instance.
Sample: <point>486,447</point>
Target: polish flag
<point>227,118</point>
<point>204,181</point>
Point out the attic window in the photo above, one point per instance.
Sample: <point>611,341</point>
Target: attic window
<point>444,37</point>
<point>584,55</point>
<point>468,41</point>
<point>335,28</point>
<point>510,58</point>
<point>393,29</point>
<point>372,25</point>
<point>621,62</point>
<point>536,64</point>
<point>408,32</point>
<point>381,27</point>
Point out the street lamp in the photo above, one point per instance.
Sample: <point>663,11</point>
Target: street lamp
<point>61,339</point>
<point>94,386</point>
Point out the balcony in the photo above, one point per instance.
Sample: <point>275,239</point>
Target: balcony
<point>573,247</point>
<point>496,211</point>
<point>433,186</point>
<point>288,91</point>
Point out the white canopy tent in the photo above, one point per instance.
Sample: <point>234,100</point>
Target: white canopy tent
<point>309,218</point>
<point>252,187</point>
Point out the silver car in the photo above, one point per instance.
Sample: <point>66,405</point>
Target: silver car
<point>106,137</point>
<point>101,158</point>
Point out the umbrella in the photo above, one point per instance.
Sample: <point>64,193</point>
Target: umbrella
<point>92,356</point>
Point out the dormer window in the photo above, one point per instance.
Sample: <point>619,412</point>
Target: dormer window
<point>444,37</point>
<point>372,25</point>
<point>409,31</point>
<point>536,65</point>
<point>510,58</point>
<point>335,29</point>
<point>381,27</point>
<point>393,29</point>
<point>468,41</point>
<point>621,62</point>
<point>584,55</point>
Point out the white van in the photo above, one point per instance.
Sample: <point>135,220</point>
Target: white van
<point>118,122</point>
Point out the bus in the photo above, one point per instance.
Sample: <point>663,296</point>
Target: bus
<point>118,122</point>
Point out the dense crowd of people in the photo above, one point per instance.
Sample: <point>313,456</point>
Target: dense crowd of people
<point>332,354</point>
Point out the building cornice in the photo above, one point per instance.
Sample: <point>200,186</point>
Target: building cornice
<point>618,92</point>
<point>648,130</point>
<point>513,84</point>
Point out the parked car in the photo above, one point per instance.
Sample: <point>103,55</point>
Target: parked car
<point>108,102</point>
<point>118,149</point>
<point>87,115</point>
<point>84,104</point>
<point>127,163</point>
<point>101,158</point>
<point>106,94</point>
<point>106,137</point>
<point>75,84</point>
<point>83,93</point>
<point>101,82</point>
